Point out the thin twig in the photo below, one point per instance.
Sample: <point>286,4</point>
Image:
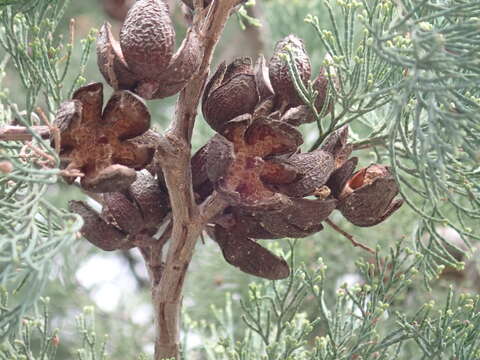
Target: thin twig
<point>155,253</point>
<point>349,237</point>
<point>23,133</point>
<point>212,206</point>
<point>49,160</point>
<point>54,131</point>
<point>369,143</point>
<point>132,262</point>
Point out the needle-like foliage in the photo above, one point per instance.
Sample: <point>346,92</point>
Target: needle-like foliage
<point>32,230</point>
<point>405,75</point>
<point>362,321</point>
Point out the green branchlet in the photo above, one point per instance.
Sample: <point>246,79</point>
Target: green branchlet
<point>32,230</point>
<point>405,75</point>
<point>363,321</point>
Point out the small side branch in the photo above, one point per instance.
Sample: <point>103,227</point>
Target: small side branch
<point>369,143</point>
<point>22,133</point>
<point>349,237</point>
<point>211,207</point>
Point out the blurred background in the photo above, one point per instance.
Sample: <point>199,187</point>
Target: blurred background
<point>116,284</point>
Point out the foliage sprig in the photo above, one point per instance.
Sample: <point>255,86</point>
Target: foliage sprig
<point>32,231</point>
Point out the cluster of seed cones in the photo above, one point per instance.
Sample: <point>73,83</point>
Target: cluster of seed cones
<point>142,65</point>
<point>254,162</point>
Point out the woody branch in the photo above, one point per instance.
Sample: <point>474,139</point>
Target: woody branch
<point>188,218</point>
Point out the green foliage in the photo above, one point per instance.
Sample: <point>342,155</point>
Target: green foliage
<point>368,319</point>
<point>364,320</point>
<point>284,17</point>
<point>41,58</point>
<point>91,349</point>
<point>244,18</point>
<point>360,79</point>
<point>21,348</point>
<point>37,341</point>
<point>434,119</point>
<point>405,77</point>
<point>32,231</point>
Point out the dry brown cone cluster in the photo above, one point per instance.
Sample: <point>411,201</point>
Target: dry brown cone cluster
<point>99,144</point>
<point>144,60</point>
<point>254,162</point>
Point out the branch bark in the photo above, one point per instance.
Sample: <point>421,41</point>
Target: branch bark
<point>350,237</point>
<point>22,133</point>
<point>189,219</point>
